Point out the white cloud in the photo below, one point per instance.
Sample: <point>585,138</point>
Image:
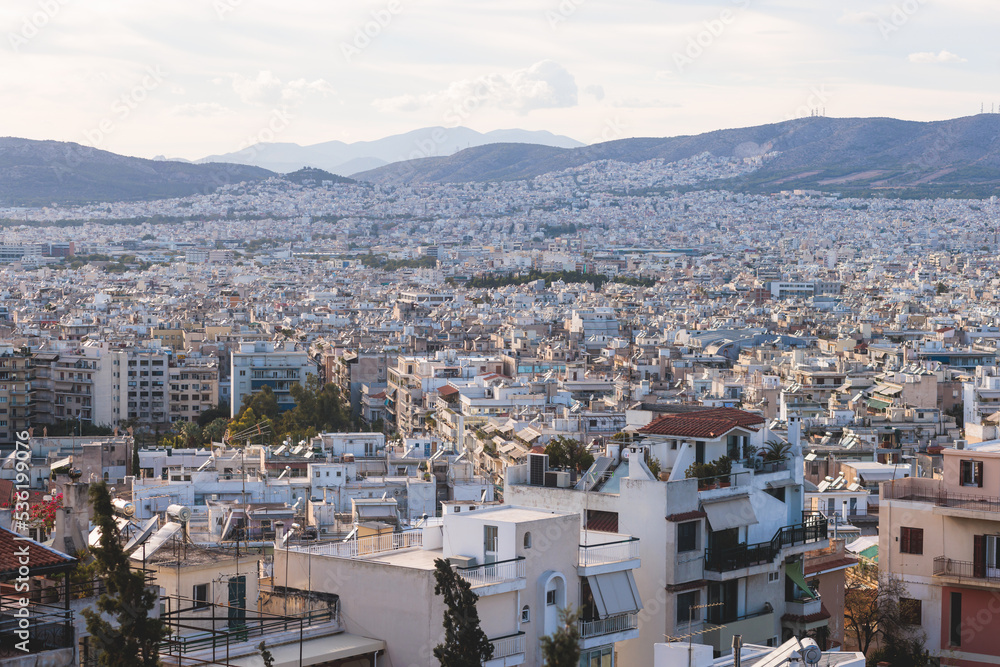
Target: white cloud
<point>596,91</point>
<point>544,85</point>
<point>266,88</point>
<point>927,57</point>
<point>262,89</point>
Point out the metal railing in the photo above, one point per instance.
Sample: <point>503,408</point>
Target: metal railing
<point>941,498</point>
<point>365,546</point>
<point>493,573</point>
<point>504,647</point>
<point>746,555</point>
<point>609,552</point>
<point>47,628</point>
<point>963,569</point>
<point>609,625</point>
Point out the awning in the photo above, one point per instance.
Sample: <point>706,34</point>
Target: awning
<point>794,572</point>
<point>61,463</point>
<point>876,404</point>
<point>615,593</point>
<point>730,513</point>
<point>777,484</point>
<point>315,651</point>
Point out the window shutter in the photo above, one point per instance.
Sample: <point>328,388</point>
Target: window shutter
<point>917,541</point>
<point>979,473</point>
<point>904,540</point>
<point>979,556</point>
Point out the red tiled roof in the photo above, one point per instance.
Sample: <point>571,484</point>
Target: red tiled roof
<point>40,558</point>
<point>820,615</point>
<point>381,394</point>
<point>819,565</point>
<point>447,390</point>
<point>687,516</point>
<point>711,422</point>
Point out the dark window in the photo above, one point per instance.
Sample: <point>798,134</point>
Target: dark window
<point>685,602</point>
<point>687,536</point>
<point>911,540</point>
<point>909,611</point>
<point>550,597</point>
<point>955,638</point>
<point>972,473</point>
<point>200,596</point>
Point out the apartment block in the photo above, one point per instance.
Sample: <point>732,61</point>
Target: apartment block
<point>16,406</point>
<point>262,364</point>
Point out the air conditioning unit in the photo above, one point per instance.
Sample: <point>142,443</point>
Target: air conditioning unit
<point>960,444</point>
<point>563,480</point>
<point>462,561</point>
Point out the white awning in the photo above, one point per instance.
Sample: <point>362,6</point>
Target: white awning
<point>615,593</point>
<point>61,463</point>
<point>315,651</point>
<point>730,513</point>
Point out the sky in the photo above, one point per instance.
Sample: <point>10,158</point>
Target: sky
<point>190,78</point>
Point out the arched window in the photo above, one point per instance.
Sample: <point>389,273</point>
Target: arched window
<point>527,540</point>
<point>525,614</point>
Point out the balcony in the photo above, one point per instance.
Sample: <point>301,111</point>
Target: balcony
<point>804,607</point>
<point>366,546</point>
<point>966,572</point>
<point>608,630</point>
<point>747,555</point>
<point>50,634</point>
<point>948,503</point>
<point>508,651</point>
<point>602,552</point>
<point>492,578</point>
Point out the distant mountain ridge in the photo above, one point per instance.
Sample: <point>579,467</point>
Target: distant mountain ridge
<point>40,173</point>
<point>958,157</point>
<point>346,159</point>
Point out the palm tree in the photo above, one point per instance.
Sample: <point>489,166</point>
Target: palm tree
<point>776,450</point>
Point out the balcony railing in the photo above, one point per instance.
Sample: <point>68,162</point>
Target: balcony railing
<point>493,573</point>
<point>365,546</point>
<point>48,628</point>
<point>504,647</point>
<point>610,552</point>
<point>963,569</point>
<point>609,625</point>
<point>941,498</point>
<point>815,529</point>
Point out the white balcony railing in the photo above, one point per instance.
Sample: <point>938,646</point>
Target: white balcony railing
<point>504,647</point>
<point>365,546</point>
<point>609,625</point>
<point>493,573</point>
<point>610,552</point>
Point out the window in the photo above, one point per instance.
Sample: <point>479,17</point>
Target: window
<point>955,626</point>
<point>527,540</point>
<point>550,597</point>
<point>199,594</point>
<point>525,614</point>
<point>687,536</point>
<point>773,577</point>
<point>972,473</point>
<point>911,540</point>
<point>909,611</point>
<point>685,602</point>
<point>598,657</point>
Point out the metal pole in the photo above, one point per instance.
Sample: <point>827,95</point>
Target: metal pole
<point>737,650</point>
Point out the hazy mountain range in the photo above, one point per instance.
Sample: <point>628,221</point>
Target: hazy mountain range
<point>853,156</point>
<point>958,157</point>
<point>347,159</point>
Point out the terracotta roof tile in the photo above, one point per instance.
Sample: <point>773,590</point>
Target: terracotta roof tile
<point>39,557</point>
<point>710,422</point>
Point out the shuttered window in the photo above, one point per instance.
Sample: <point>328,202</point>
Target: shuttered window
<point>911,540</point>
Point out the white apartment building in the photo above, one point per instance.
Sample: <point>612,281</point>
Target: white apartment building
<point>981,399</point>
<point>262,364</point>
<point>524,564</point>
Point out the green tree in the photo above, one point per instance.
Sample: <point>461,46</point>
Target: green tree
<point>214,431</point>
<point>249,421</point>
<point>220,411</point>
<point>566,452</point>
<point>264,404</point>
<point>776,450</point>
<point>133,639</point>
<point>136,470</point>
<point>191,434</point>
<point>562,647</point>
<point>465,643</point>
